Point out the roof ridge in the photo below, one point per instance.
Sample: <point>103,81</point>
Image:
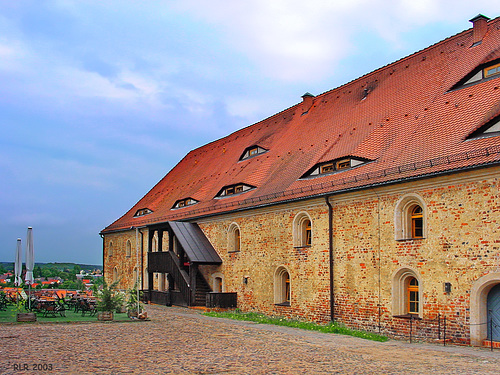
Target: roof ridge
<point>432,46</point>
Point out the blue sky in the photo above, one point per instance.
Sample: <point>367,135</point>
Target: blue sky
<point>100,99</point>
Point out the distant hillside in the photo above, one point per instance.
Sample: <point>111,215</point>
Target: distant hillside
<point>59,266</point>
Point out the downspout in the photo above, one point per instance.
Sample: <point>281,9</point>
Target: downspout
<point>330,251</point>
<point>103,256</point>
<point>142,259</point>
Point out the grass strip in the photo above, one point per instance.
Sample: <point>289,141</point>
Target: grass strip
<point>280,321</point>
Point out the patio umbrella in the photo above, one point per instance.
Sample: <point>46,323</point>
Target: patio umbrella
<point>18,265</point>
<point>30,262</point>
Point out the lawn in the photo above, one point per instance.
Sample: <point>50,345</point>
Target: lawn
<point>9,316</point>
<point>325,328</point>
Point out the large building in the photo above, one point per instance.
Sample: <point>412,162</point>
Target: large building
<point>375,204</point>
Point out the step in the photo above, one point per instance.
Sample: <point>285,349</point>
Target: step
<point>488,344</point>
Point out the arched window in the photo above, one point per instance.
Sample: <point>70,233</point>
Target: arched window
<point>145,279</point>
<point>409,218</point>
<point>282,287</point>
<point>154,244</point>
<point>110,249</point>
<point>413,300</point>
<point>302,230</point>
<point>115,274</point>
<point>417,222</point>
<point>129,249</point>
<point>234,238</point>
<point>406,293</point>
<point>218,284</point>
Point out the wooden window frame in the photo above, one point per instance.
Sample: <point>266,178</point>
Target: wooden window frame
<point>326,168</point>
<point>496,67</point>
<point>413,300</point>
<point>282,287</point>
<point>417,221</point>
<point>343,164</point>
<point>307,241</point>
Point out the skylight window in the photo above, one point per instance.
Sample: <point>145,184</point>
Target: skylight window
<point>234,189</point>
<point>184,203</point>
<point>333,166</point>
<point>142,212</point>
<point>252,151</point>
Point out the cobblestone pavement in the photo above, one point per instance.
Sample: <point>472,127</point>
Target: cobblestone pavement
<point>182,341</point>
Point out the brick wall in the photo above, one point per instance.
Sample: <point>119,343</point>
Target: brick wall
<point>461,244</point>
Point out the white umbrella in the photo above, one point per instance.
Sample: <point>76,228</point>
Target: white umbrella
<point>30,262</point>
<point>18,265</point>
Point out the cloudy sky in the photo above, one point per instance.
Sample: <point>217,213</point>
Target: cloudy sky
<point>100,99</point>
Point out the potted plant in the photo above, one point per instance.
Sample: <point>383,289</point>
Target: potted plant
<point>22,315</point>
<point>134,307</point>
<point>108,301</point>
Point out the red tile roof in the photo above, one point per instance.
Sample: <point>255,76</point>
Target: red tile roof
<point>404,117</point>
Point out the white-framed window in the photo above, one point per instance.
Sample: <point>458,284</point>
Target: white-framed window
<point>234,238</point>
<point>282,287</point>
<point>302,230</point>
<point>410,218</point>
<point>406,293</point>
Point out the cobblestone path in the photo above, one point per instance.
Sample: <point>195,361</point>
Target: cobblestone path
<point>181,341</point>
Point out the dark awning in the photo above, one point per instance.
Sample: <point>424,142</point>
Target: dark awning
<point>194,242</point>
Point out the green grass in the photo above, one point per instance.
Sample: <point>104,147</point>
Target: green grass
<point>324,328</point>
<point>9,316</point>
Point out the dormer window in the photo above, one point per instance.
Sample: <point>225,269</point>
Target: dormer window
<point>234,189</point>
<point>142,212</point>
<point>490,129</point>
<point>334,166</point>
<point>483,72</point>
<point>491,71</point>
<point>184,202</point>
<point>252,151</point>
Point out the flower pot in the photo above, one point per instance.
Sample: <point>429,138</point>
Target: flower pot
<point>26,317</point>
<point>105,315</point>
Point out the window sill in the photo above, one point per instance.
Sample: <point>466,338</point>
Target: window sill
<point>233,251</point>
<point>408,316</point>
<point>282,304</point>
<point>410,239</point>
<point>302,247</point>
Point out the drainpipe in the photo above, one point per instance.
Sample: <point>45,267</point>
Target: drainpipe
<point>330,249</point>
<point>142,260</point>
<point>103,256</point>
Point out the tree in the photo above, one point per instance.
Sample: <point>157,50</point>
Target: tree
<point>37,271</point>
<point>76,269</point>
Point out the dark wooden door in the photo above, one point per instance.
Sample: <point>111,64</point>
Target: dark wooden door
<point>493,307</point>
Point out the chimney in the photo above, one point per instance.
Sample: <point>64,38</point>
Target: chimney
<point>307,102</point>
<point>479,28</point>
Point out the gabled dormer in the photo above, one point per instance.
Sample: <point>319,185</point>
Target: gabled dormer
<point>252,151</point>
<point>184,203</point>
<point>334,166</point>
<point>481,73</point>
<point>490,129</point>
<point>142,212</point>
<point>234,190</point>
